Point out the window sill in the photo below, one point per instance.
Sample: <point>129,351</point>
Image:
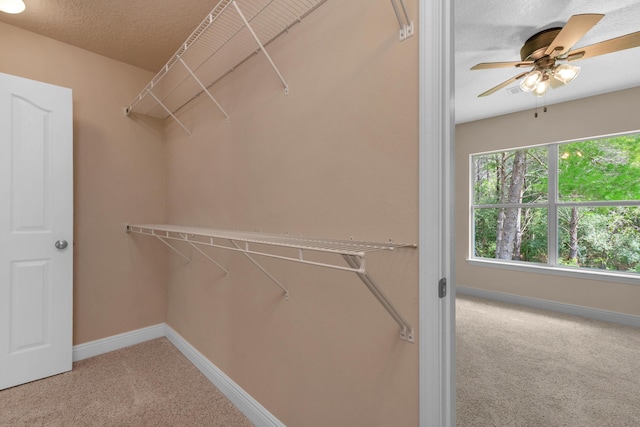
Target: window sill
<point>601,276</point>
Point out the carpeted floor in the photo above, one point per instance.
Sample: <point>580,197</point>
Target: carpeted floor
<point>518,366</point>
<point>150,384</point>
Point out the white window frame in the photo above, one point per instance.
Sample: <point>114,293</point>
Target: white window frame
<point>552,205</point>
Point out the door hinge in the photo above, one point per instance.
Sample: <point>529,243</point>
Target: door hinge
<point>442,287</point>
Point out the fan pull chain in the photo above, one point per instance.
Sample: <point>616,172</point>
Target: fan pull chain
<point>544,108</point>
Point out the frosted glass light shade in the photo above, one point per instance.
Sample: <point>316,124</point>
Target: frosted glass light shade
<point>566,73</point>
<point>531,80</point>
<point>12,6</point>
<point>541,88</point>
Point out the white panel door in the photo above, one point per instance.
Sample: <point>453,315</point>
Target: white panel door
<point>36,230</point>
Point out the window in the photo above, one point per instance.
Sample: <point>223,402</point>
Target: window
<point>571,204</point>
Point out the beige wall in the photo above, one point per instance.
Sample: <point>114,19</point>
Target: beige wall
<point>336,158</point>
<point>119,176</point>
<point>601,115</point>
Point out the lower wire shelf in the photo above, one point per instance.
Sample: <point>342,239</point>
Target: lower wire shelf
<point>296,247</point>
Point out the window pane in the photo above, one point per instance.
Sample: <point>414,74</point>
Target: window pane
<point>518,234</point>
<point>606,238</point>
<point>518,176</point>
<point>599,170</point>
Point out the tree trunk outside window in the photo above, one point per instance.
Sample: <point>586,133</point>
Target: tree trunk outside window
<point>509,218</point>
<point>573,236</point>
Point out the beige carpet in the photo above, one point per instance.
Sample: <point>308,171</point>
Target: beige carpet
<point>518,366</point>
<point>150,384</point>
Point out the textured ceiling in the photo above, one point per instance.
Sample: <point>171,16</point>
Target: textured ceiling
<point>495,30</point>
<point>146,33</point>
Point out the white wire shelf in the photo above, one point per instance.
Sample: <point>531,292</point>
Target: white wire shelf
<point>232,32</point>
<point>285,247</point>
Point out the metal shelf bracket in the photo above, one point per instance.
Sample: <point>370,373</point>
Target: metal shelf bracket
<point>266,54</point>
<point>406,331</point>
<point>406,24</point>
<point>169,111</point>
<point>173,248</point>
<point>208,257</point>
<point>250,258</point>
<point>204,89</point>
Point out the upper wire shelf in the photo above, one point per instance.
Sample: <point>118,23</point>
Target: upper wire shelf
<point>232,32</point>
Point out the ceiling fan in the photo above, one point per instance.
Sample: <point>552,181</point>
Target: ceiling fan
<point>549,53</point>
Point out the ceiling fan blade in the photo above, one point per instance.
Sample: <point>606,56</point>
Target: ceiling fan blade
<point>576,27</point>
<point>503,84</point>
<point>489,65</point>
<point>608,46</point>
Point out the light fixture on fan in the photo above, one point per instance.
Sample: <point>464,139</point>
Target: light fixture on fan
<point>537,81</point>
<point>12,6</point>
<point>565,73</point>
<point>531,80</point>
<point>542,87</point>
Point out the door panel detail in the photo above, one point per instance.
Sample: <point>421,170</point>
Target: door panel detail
<point>30,304</point>
<point>29,145</point>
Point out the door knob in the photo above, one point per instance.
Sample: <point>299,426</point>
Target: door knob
<point>61,244</point>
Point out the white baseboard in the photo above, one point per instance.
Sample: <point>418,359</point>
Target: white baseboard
<point>576,310</point>
<point>116,342</point>
<point>250,407</point>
